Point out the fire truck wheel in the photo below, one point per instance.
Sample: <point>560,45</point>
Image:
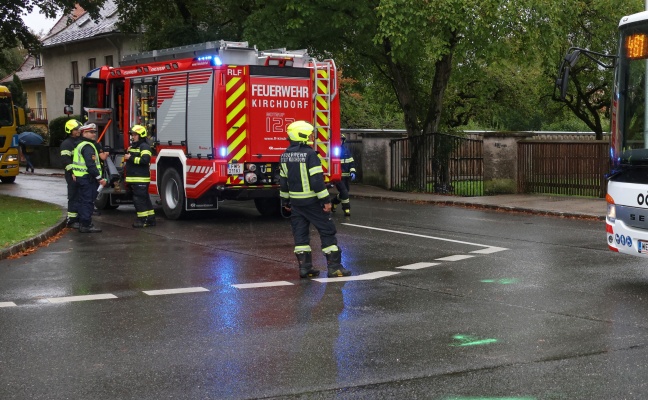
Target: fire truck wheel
<point>102,202</point>
<point>172,194</point>
<point>8,179</point>
<point>268,207</point>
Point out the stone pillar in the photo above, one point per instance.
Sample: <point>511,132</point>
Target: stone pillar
<point>376,159</point>
<point>500,161</point>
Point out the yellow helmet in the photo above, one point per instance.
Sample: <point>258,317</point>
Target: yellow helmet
<point>72,125</point>
<point>299,131</point>
<point>138,129</point>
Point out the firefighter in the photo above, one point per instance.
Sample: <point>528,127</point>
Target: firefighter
<point>305,195</point>
<point>87,174</point>
<point>348,175</point>
<point>138,177</point>
<point>67,150</point>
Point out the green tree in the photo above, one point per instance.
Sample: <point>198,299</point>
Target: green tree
<point>592,25</point>
<point>171,23</point>
<point>17,93</point>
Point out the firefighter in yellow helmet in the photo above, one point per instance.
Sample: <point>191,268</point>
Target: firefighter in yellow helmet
<point>304,194</point>
<point>138,177</point>
<point>67,151</point>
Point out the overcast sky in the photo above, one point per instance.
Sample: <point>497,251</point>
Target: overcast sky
<point>37,21</point>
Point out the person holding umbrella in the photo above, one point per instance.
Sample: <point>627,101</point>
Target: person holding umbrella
<point>27,140</point>
<point>26,151</point>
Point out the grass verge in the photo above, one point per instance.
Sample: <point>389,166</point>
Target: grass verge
<point>24,218</point>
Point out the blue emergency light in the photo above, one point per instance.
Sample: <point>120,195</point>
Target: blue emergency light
<point>215,60</point>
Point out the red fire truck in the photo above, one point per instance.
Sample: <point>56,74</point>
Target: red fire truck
<point>216,114</point>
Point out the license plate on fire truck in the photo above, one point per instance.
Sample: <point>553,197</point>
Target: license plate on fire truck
<point>642,245</point>
<point>235,169</point>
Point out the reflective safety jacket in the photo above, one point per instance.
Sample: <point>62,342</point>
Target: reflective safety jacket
<point>137,166</point>
<point>85,160</point>
<point>301,176</point>
<point>67,152</point>
<point>348,164</point>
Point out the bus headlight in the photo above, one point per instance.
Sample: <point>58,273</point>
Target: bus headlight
<point>611,212</point>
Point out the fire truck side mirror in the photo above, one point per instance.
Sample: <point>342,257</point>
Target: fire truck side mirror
<point>69,96</point>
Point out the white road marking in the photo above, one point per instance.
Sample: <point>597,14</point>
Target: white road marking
<point>489,250</point>
<point>418,265</point>
<point>425,236</point>
<point>175,291</point>
<point>454,258</point>
<point>363,277</point>
<point>7,304</point>
<point>82,298</point>
<point>261,284</point>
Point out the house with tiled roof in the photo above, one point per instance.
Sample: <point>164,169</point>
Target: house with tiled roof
<point>32,76</point>
<point>81,45</point>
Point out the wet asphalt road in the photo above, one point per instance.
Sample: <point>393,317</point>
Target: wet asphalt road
<point>488,305</point>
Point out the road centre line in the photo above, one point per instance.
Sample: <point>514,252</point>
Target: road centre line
<point>8,304</point>
<point>495,249</point>
<point>175,291</point>
<point>262,284</point>
<point>82,298</point>
<point>454,258</point>
<point>419,265</point>
<point>363,277</point>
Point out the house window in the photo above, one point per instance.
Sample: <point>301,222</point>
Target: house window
<point>92,63</point>
<point>38,62</point>
<point>109,61</point>
<point>75,72</point>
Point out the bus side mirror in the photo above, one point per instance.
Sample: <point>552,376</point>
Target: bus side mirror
<point>69,96</point>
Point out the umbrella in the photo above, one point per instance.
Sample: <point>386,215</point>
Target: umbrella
<point>30,139</point>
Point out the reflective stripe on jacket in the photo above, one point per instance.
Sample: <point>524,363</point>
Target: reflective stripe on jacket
<point>86,160</point>
<point>301,175</point>
<point>137,166</point>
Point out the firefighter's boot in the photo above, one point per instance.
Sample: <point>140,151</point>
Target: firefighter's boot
<point>89,229</point>
<point>139,223</point>
<point>334,203</point>
<point>306,270</point>
<point>334,265</point>
<point>347,209</point>
<point>150,221</point>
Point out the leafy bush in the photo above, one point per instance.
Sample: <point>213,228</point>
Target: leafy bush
<point>57,129</point>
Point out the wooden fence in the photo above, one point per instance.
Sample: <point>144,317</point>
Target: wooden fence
<point>575,168</point>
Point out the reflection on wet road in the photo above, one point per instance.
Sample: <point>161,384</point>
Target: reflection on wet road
<point>444,303</point>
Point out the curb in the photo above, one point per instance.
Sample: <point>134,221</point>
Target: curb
<point>455,203</point>
<point>34,241</point>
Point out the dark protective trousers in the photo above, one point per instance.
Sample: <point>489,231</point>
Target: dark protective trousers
<point>343,187</point>
<point>142,200</point>
<point>73,197</point>
<point>301,218</point>
<point>87,192</point>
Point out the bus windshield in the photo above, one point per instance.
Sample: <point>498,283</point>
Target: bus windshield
<point>630,94</point>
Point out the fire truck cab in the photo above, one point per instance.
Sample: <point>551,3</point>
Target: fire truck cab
<point>216,115</point>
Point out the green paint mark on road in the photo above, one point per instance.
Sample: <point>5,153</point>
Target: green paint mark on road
<point>468,340</point>
<point>503,281</point>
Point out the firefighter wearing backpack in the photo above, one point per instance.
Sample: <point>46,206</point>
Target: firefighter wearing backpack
<point>305,195</point>
<point>348,175</point>
<point>138,177</point>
